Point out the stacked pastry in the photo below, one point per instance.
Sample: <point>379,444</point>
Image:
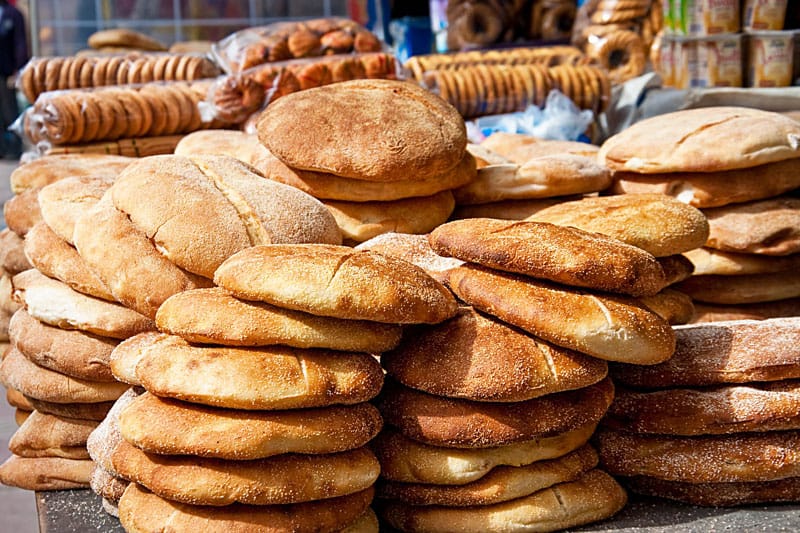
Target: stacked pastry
<point>715,425</point>
<point>256,406</point>
<point>739,166</point>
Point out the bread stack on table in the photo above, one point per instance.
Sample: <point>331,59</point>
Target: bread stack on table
<point>740,167</point>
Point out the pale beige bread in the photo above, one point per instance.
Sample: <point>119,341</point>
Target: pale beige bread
<point>710,261</point>
<point>19,373</point>
<point>171,427</point>
<point>16,399</point>
<point>107,485</point>
<point>337,281</point>
<point>557,253</point>
<point>52,436</point>
<point>64,201</point>
<point>676,268</point>
<point>509,209</point>
<point>415,249</point>
<point>124,37</point>
<point>737,457</point>
<point>282,479</point>
<point>56,304</point>
<point>673,306</point>
<point>105,438</point>
<point>8,305</point>
<point>762,311</point>
<point>654,222</point>
<point>717,494</point>
<point>541,177</point>
<point>495,362</point>
<point>248,209</point>
<point>12,253</point>
<point>56,258</point>
<point>22,211</point>
<point>213,316</point>
<point>361,221</point>
<point>519,147</point>
<point>52,168</point>
<point>722,409</point>
<point>141,511</point>
<point>20,416</point>
<point>457,423</point>
<point>234,143</point>
<point>107,240</point>
<point>269,378</point>
<point>769,227</point>
<point>708,139</point>
<point>715,189</point>
<point>742,289</point>
<point>83,411</point>
<point>592,497</point>
<point>611,327</point>
<point>723,352</point>
<point>485,157</point>
<point>332,187</point>
<point>71,352</point>
<point>405,132</point>
<point>502,484</point>
<point>46,473</point>
<point>127,354</point>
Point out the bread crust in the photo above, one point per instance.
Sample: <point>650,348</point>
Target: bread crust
<point>45,435</point>
<point>717,494</point>
<point>768,227</point>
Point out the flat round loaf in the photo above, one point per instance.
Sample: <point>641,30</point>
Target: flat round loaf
<point>332,187</point>
<point>71,352</point>
<point>12,254</point>
<point>676,268</point>
<point>592,497</point>
<point>107,485</point>
<point>124,37</point>
<point>742,289</point>
<point>55,303</point>
<point>85,411</point>
<point>404,131</point>
<point>105,438</point>
<point>654,222</point>
<point>45,435</point>
<point>19,373</point>
<point>213,316</point>
<point>409,461</point>
<point>171,427</point>
<point>736,457</point>
<point>673,306</point>
<point>449,422</point>
<point>16,399</point>
<point>234,143</point>
<point>282,479</point>
<point>703,140</point>
<point>52,168</point>
<point>769,227</point>
<point>503,483</point>
<point>46,473</point>
<point>718,494</point>
<point>773,406</point>
<point>248,209</point>
<point>127,354</point>
<point>723,352</point>
<point>495,362</point>
<point>64,201</point>
<point>720,313</point>
<point>541,177</point>
<point>519,147</point>
<point>415,249</point>
<point>337,281</point>
<point>56,258</point>
<point>9,306</point>
<point>22,211</point>
<point>141,511</point>
<point>611,327</point>
<point>708,261</point>
<point>509,209</point>
<point>715,189</point>
<point>268,378</point>
<point>557,253</point>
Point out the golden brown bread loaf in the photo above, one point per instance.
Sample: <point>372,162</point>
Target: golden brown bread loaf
<point>171,427</point>
<point>315,124</point>
<point>63,202</point>
<point>673,306</point>
<point>768,227</point>
<point>519,147</point>
<point>676,268</point>
<point>16,399</point>
<point>611,327</point>
<point>12,253</point>
<point>45,435</point>
<point>214,316</point>
<point>556,253</point>
<point>337,281</point>
<point>509,209</point>
<point>742,289</point>
<point>718,494</point>
<point>52,168</point>
<point>457,423</point>
<point>22,211</point>
<point>123,37</point>
<point>106,436</point>
<point>46,473</point>
<point>415,249</point>
<point>761,311</point>
<point>495,362</point>
<point>710,261</point>
<point>83,411</point>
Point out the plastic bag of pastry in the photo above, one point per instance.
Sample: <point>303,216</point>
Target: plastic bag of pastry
<point>42,74</point>
<point>707,17</point>
<point>770,58</point>
<point>282,41</point>
<point>234,97</point>
<point>764,14</point>
<point>76,116</point>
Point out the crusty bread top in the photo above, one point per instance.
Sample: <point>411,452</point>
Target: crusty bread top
<point>378,130</point>
<point>654,222</point>
<point>62,202</point>
<point>22,211</point>
<point>519,147</point>
<point>558,253</point>
<point>337,281</point>
<point>124,37</point>
<point>769,227</point>
<point>415,249</point>
<point>52,168</point>
<point>703,140</point>
<point>243,146</point>
<point>708,261</point>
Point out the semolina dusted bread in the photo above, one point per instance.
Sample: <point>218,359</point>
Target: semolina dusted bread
<point>52,168</point>
<point>63,202</point>
<point>44,435</point>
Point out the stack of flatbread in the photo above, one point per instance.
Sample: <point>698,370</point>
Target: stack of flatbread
<point>718,424</point>
<point>256,407</point>
<point>740,167</point>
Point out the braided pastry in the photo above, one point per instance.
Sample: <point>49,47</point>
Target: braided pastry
<point>622,53</point>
